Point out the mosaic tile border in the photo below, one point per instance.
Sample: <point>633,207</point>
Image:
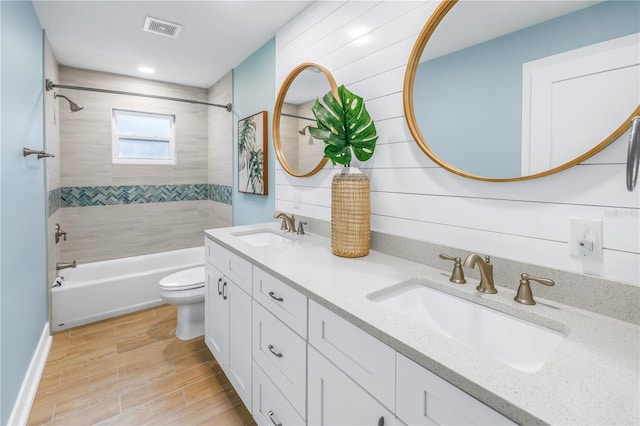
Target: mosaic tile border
<point>85,196</point>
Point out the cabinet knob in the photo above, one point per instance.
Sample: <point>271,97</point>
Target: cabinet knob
<point>381,421</point>
<point>274,297</point>
<point>274,419</point>
<point>272,349</point>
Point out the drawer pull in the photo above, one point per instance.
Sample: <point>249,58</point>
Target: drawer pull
<point>381,421</point>
<point>274,297</point>
<point>224,294</point>
<point>274,419</point>
<point>219,282</point>
<point>278,354</point>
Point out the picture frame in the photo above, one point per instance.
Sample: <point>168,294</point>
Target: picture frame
<point>252,154</point>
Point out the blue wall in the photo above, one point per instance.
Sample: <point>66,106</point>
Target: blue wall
<point>454,89</point>
<point>254,89</point>
<point>23,290</point>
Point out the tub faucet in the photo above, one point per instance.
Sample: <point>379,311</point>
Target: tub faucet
<point>288,222</point>
<point>65,265</point>
<point>486,272</point>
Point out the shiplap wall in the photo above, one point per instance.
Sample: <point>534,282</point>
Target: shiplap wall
<point>411,196</point>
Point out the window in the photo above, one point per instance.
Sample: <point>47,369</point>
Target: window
<point>143,137</point>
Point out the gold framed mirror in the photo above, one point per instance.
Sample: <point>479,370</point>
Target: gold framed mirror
<point>472,117</point>
<point>299,154</point>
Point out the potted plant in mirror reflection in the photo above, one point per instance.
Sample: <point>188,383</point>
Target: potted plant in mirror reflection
<point>347,130</point>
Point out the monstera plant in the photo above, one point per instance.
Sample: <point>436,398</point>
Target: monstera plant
<point>345,126</point>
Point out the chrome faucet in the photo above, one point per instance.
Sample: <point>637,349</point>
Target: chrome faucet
<point>486,272</point>
<point>288,222</point>
<point>65,265</point>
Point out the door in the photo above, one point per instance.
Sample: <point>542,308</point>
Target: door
<point>574,100</point>
<point>218,337</point>
<point>23,268</point>
<point>239,367</point>
<point>334,399</point>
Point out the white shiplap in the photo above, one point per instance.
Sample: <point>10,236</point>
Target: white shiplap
<point>411,196</point>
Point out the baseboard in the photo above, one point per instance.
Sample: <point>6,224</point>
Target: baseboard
<point>22,407</point>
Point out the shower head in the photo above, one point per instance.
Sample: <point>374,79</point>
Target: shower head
<point>72,105</point>
<point>303,131</point>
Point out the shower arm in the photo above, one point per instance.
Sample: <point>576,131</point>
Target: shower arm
<point>50,85</point>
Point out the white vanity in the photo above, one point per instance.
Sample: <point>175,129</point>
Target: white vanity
<point>299,334</point>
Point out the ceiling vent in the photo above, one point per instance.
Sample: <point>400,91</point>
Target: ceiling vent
<point>165,28</point>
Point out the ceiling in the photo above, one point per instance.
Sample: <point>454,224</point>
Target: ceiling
<point>217,35</point>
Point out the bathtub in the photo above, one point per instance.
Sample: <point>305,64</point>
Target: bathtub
<point>99,290</point>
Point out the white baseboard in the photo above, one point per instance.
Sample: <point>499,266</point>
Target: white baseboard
<point>22,407</point>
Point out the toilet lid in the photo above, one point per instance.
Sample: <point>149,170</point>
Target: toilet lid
<point>184,280</point>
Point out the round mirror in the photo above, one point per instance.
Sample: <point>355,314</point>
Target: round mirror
<point>514,90</point>
<point>300,154</point>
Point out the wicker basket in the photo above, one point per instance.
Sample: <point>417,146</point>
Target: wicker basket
<point>350,213</point>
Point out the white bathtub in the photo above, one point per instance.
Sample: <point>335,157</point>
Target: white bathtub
<point>99,290</point>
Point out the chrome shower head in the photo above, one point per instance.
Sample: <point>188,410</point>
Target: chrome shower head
<point>303,131</point>
<point>72,105</point>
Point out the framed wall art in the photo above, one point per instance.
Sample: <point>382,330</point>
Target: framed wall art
<point>252,154</point>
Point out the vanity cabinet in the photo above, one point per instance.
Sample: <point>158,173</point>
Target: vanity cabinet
<point>425,399</point>
<point>335,399</point>
<point>228,316</point>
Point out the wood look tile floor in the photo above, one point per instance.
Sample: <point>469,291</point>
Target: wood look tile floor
<point>132,370</point>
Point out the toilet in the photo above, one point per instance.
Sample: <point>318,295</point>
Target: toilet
<point>186,289</point>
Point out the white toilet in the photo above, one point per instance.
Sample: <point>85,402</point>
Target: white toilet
<point>186,289</point>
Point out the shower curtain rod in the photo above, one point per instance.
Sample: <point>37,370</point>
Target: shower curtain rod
<point>297,116</point>
<point>50,85</point>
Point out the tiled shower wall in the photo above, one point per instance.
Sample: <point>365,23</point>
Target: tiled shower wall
<point>52,165</point>
<point>114,210</point>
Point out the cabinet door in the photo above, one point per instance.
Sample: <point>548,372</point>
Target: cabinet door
<point>218,338</point>
<point>239,334</point>
<point>334,399</point>
<point>270,407</point>
<point>426,399</point>
<point>213,281</point>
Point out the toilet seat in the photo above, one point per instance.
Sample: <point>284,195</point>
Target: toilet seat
<point>184,280</point>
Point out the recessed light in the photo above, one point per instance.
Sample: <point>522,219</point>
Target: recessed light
<point>146,70</point>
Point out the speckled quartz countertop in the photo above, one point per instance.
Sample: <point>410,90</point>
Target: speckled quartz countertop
<point>592,378</point>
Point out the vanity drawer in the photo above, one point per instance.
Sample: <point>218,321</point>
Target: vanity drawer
<point>214,253</point>
<point>425,399</point>
<point>269,406</point>
<point>239,270</point>
<point>284,302</point>
<point>365,359</point>
<point>282,355</point>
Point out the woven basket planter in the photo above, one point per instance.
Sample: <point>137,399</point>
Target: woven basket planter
<point>350,213</point>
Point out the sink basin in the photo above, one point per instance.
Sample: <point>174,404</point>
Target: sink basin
<point>518,343</point>
<point>263,237</point>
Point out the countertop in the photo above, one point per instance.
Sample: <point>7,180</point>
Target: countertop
<point>592,378</point>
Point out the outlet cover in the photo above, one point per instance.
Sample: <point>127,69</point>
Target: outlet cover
<point>585,238</point>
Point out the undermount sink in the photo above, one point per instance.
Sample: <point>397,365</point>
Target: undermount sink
<point>518,343</point>
<point>262,237</point>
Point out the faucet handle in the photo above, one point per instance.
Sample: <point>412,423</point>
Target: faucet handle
<point>457,276</point>
<point>524,295</point>
<point>300,230</point>
<point>283,225</point>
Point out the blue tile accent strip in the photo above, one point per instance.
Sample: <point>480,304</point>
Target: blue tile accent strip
<point>83,196</point>
<point>220,193</point>
<point>54,200</point>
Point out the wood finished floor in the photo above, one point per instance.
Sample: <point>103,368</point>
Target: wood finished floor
<point>132,370</point>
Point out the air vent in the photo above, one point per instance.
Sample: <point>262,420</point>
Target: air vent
<point>165,28</point>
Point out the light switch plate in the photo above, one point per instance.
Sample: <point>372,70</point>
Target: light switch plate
<point>585,238</point>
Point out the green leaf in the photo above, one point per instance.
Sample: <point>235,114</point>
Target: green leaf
<point>345,126</point>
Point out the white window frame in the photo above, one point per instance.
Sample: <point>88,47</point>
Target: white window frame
<point>116,136</point>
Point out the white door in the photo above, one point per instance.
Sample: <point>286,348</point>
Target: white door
<point>218,337</point>
<point>335,399</point>
<point>239,366</point>
<point>574,100</point>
